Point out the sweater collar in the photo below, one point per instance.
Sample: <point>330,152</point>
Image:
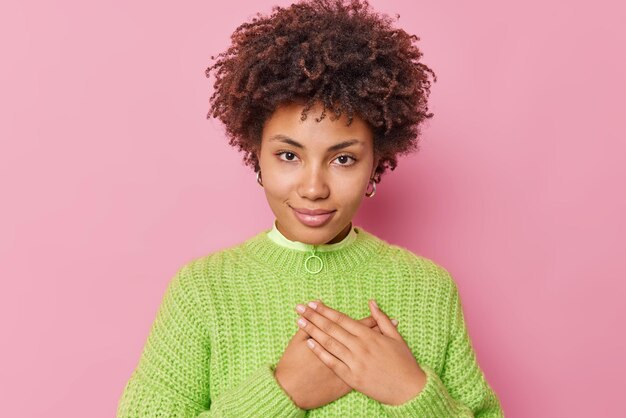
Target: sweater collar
<point>352,253</point>
<point>276,236</point>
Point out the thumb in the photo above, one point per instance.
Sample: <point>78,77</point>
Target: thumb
<point>371,322</point>
<point>384,323</point>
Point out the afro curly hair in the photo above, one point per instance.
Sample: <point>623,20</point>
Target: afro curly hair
<point>339,53</point>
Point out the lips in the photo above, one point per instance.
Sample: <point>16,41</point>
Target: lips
<point>313,217</point>
<point>313,211</point>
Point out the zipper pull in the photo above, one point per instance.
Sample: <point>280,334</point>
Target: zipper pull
<point>313,259</point>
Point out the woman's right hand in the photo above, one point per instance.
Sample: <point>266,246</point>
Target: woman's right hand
<point>305,378</point>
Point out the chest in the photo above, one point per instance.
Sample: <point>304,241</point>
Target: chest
<point>253,321</point>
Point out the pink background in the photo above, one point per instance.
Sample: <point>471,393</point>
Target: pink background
<point>111,178</point>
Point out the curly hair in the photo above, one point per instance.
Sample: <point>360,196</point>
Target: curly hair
<point>339,53</point>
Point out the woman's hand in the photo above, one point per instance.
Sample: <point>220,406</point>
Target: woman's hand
<point>305,378</point>
<point>379,365</point>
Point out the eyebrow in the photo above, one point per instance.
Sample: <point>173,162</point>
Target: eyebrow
<point>291,141</point>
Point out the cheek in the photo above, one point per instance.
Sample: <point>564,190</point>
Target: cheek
<point>351,189</point>
<point>278,187</point>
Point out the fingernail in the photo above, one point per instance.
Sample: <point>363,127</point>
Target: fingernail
<point>310,343</point>
<point>394,322</point>
<point>313,305</point>
<point>374,303</point>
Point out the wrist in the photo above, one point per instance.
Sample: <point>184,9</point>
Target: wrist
<point>284,383</point>
<point>413,388</point>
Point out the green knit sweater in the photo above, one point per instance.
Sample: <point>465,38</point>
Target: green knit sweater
<point>226,318</point>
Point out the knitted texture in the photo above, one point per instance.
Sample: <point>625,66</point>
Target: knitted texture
<point>226,318</point>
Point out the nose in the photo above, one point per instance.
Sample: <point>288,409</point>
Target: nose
<point>313,184</point>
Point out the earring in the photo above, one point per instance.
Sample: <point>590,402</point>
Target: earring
<point>373,192</point>
<point>258,178</point>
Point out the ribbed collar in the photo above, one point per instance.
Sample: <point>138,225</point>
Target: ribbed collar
<point>276,236</point>
<point>358,248</point>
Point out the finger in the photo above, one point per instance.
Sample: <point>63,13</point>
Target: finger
<point>353,327</point>
<point>340,368</point>
<point>368,321</point>
<point>393,321</point>
<point>328,336</point>
<point>371,322</point>
<point>384,323</point>
<point>301,334</point>
<point>334,328</point>
<point>378,329</point>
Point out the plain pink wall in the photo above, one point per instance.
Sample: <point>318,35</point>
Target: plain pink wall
<point>111,178</point>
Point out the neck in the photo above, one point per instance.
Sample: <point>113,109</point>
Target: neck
<point>338,238</point>
<point>337,259</point>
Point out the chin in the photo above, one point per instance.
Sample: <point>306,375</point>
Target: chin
<point>318,237</point>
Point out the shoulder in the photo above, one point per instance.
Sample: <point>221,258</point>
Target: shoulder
<point>205,266</point>
<point>414,266</point>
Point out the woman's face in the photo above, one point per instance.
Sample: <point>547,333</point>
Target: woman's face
<point>315,166</point>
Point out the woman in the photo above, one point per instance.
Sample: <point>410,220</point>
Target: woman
<point>268,327</point>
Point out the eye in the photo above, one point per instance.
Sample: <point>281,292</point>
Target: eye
<point>343,159</point>
<point>289,155</point>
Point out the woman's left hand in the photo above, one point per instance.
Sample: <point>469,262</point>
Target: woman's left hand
<point>380,366</point>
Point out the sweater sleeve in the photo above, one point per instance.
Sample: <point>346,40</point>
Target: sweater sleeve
<point>461,390</point>
<point>172,376</point>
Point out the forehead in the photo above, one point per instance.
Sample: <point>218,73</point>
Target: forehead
<point>286,121</point>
